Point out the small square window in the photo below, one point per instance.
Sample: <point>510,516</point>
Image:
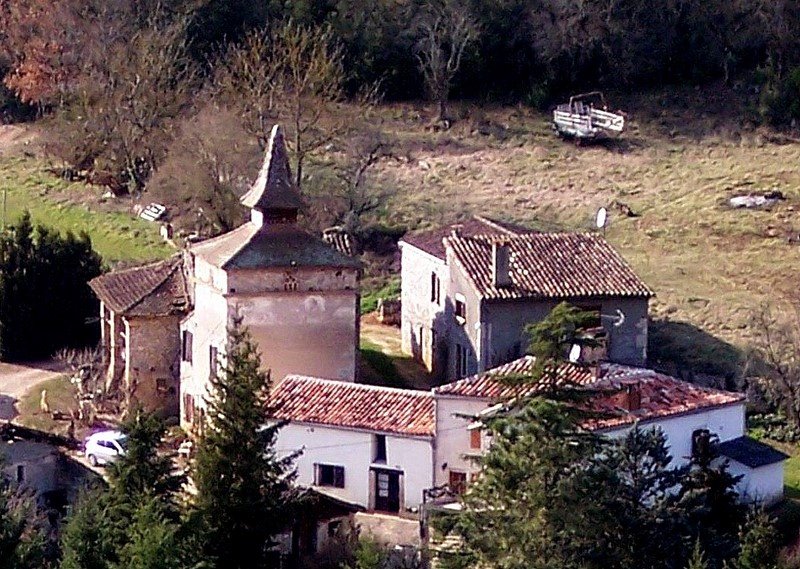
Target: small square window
<point>461,309</point>
<point>329,475</point>
<point>458,482</point>
<point>475,439</point>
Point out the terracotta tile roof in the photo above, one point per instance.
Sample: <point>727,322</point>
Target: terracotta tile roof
<point>273,245</point>
<point>549,265</point>
<point>157,289</point>
<point>488,385</point>
<point>660,395</point>
<point>354,405</point>
<point>274,188</point>
<point>431,241</point>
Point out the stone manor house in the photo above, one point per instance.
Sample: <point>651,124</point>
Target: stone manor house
<point>468,291</point>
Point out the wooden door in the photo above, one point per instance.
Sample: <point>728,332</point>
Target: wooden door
<point>387,491</point>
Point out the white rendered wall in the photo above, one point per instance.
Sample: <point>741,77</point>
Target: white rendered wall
<point>453,437</point>
<point>726,422</point>
<point>764,484</point>
<point>354,451</point>
<point>416,267</point>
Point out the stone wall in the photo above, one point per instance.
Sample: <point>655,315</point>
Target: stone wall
<point>153,363</point>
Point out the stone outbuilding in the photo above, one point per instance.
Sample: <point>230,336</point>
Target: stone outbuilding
<point>140,313</point>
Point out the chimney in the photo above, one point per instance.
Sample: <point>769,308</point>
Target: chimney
<point>501,266</point>
<point>633,397</point>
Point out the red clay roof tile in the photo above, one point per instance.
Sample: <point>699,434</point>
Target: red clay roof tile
<point>548,265</point>
<point>354,405</point>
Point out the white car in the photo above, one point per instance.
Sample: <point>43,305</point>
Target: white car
<point>105,447</point>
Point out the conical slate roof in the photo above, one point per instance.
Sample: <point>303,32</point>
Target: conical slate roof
<point>274,188</point>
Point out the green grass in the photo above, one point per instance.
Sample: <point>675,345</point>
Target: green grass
<point>369,298</point>
<point>381,367</point>
<point>60,397</point>
<point>68,206</point>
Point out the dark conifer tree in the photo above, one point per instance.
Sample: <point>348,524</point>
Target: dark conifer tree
<point>244,497</point>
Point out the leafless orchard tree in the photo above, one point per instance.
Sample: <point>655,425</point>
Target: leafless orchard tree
<point>120,116</point>
<point>775,360</point>
<point>86,369</point>
<point>294,75</point>
<point>445,31</point>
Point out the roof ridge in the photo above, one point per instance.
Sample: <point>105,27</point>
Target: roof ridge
<point>496,225</point>
<point>157,285</point>
<point>365,386</point>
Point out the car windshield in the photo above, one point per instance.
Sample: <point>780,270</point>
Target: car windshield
<point>123,443</point>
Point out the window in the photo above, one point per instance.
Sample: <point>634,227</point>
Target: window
<point>186,346</point>
<point>188,408</point>
<point>461,308</point>
<point>458,482</point>
<point>475,439</point>
<point>436,288</point>
<point>329,475</point>
<point>162,385</point>
<point>20,473</point>
<point>333,528</point>
<point>461,361</point>
<point>380,449</point>
<point>213,361</point>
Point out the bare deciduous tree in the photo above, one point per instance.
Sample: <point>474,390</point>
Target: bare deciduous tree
<point>445,32</point>
<point>293,75</point>
<point>775,361</point>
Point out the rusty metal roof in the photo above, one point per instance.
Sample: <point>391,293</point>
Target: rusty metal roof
<point>548,265</point>
<point>354,405</point>
<point>157,289</point>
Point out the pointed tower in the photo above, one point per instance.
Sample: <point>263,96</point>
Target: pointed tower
<point>274,197</point>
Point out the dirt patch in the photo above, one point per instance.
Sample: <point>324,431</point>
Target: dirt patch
<point>14,138</point>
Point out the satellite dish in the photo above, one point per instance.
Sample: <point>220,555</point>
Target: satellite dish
<point>601,218</point>
<point>575,353</point>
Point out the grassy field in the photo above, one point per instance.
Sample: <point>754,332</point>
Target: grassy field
<point>60,397</point>
<point>116,235</point>
<point>682,157</point>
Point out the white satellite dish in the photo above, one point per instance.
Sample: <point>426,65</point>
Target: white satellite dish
<point>575,353</point>
<point>602,218</point>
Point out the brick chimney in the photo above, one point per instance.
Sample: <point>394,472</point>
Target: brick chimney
<point>630,397</point>
<point>501,265</point>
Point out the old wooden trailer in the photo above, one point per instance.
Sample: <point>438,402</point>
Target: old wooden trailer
<point>586,117</point>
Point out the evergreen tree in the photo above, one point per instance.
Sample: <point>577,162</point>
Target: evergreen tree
<point>153,539</point>
<point>533,506</point>
<point>89,539</point>
<point>39,269</point>
<point>244,496</point>
<point>646,529</point>
<point>708,498</point>
<point>23,533</point>
<point>134,521</point>
<point>697,560</point>
<point>758,544</point>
